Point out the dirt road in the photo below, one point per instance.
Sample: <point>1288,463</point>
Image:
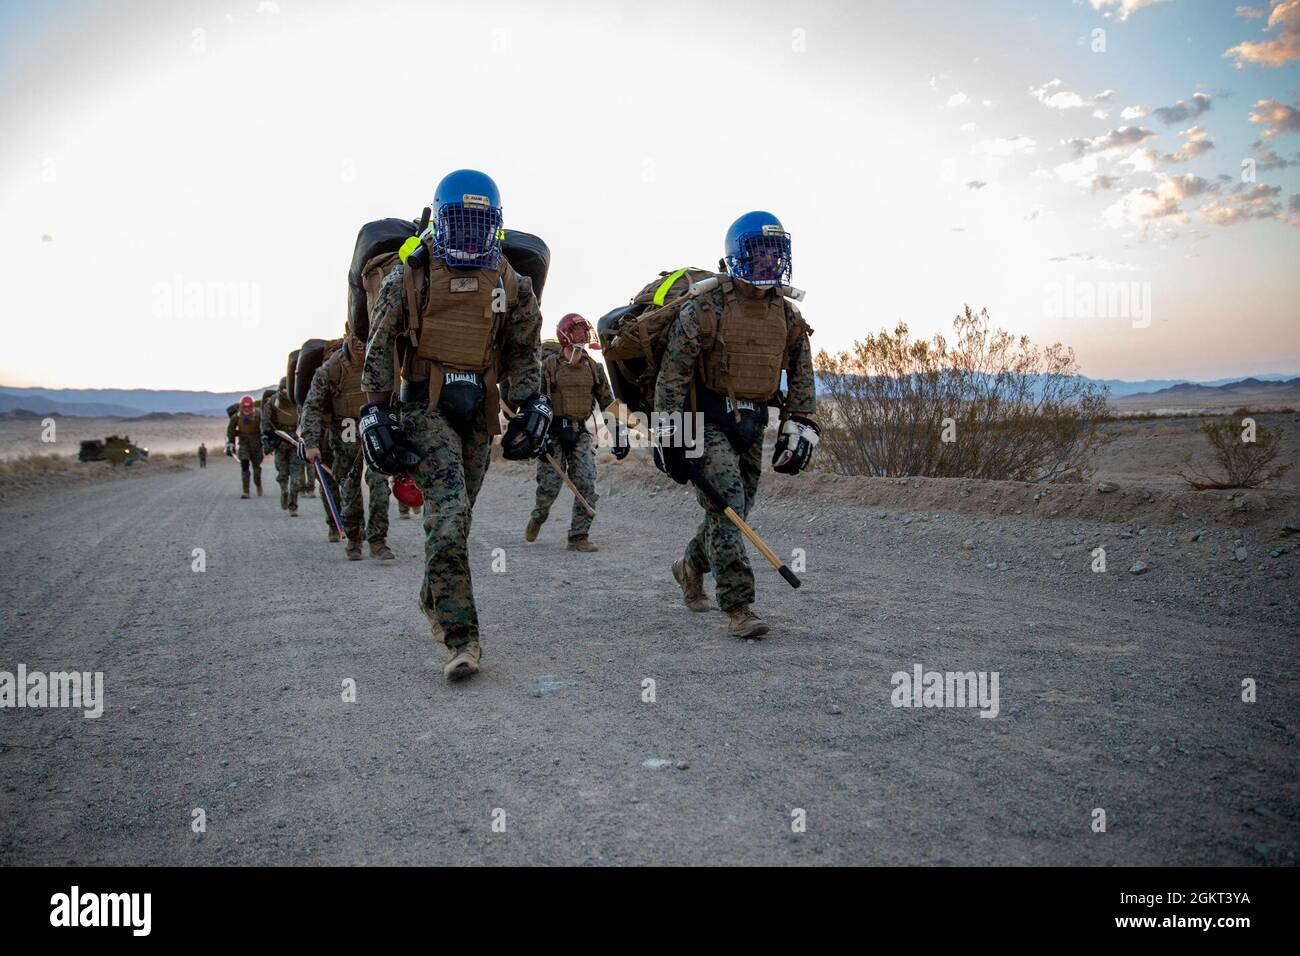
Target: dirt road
<point>223,692</point>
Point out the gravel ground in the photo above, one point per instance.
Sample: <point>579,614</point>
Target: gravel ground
<point>1118,691</point>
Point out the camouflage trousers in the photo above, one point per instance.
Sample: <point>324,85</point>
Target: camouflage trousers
<point>449,477</point>
<point>250,456</point>
<point>349,473</point>
<point>718,545</point>
<point>288,472</point>
<point>580,465</point>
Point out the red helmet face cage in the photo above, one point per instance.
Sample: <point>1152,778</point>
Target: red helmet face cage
<point>246,403</point>
<point>406,491</point>
<point>574,330</point>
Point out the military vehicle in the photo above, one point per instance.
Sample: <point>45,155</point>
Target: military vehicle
<point>116,449</point>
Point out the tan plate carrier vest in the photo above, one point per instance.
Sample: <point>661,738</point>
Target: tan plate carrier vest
<point>345,386</point>
<point>743,353</point>
<point>285,414</point>
<point>250,426</point>
<point>571,387</point>
<point>460,328</point>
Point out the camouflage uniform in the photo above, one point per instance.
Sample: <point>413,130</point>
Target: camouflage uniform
<point>454,461</point>
<point>349,469</point>
<point>288,467</point>
<point>579,463</point>
<point>718,545</point>
<point>248,429</point>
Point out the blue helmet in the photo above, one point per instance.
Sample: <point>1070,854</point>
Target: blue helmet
<point>467,224</point>
<point>758,249</point>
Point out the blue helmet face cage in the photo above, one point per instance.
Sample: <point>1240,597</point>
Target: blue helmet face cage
<point>764,258</point>
<point>468,235</point>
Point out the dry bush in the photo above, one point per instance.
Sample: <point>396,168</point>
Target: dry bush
<point>1246,464</point>
<point>1020,412</point>
<point>30,463</point>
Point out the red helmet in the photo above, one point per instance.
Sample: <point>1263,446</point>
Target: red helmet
<point>574,330</point>
<point>406,491</point>
<point>246,404</point>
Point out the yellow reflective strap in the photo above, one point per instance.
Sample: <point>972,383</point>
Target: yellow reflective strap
<point>661,293</point>
<point>409,246</point>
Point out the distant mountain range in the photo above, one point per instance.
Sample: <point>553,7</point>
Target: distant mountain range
<point>119,402</point>
<point>1121,389</point>
<point>1246,389</point>
<point>139,402</point>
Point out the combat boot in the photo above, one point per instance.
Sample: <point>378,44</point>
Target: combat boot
<point>533,530</point>
<point>581,544</point>
<point>244,495</point>
<point>259,489</point>
<point>742,622</point>
<point>284,500</point>
<point>692,583</point>
<point>354,549</point>
<point>462,661</point>
<point>380,549</point>
<point>334,536</point>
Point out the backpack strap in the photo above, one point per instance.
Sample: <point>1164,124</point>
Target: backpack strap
<point>661,293</point>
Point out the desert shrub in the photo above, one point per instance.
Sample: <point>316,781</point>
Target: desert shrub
<point>1017,411</point>
<point>30,463</point>
<point>1245,464</point>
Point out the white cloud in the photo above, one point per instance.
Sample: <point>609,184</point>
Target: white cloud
<point>1276,117</point>
<point>957,99</point>
<point>1101,262</point>
<point>1117,138</point>
<point>1078,172</point>
<point>1244,203</point>
<point>1150,205</point>
<point>1120,9</point>
<point>1184,110</point>
<point>1141,160</point>
<point>1279,49</point>
<point>1054,96</point>
<point>1196,141</point>
<point>1001,147</point>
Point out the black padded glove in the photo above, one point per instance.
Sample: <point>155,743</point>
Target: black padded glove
<point>794,445</point>
<point>670,452</point>
<point>622,445</point>
<point>526,432</point>
<point>384,444</point>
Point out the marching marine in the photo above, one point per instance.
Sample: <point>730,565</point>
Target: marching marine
<point>725,355</point>
<point>279,413</point>
<point>456,318</point>
<point>574,381</point>
<point>246,426</point>
<point>336,389</point>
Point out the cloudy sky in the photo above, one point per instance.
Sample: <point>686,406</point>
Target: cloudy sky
<point>181,183</point>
